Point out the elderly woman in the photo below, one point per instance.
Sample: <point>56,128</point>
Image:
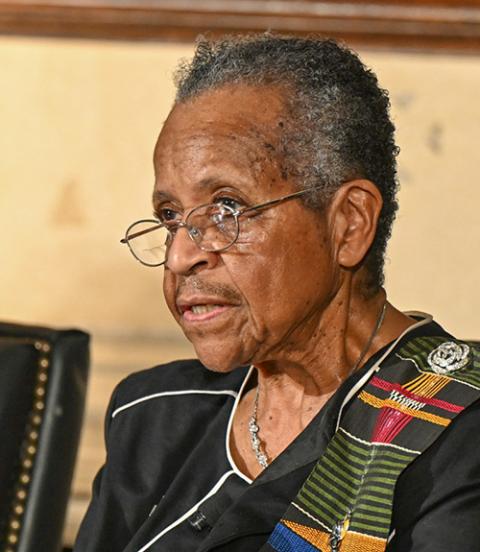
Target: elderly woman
<point>318,416</point>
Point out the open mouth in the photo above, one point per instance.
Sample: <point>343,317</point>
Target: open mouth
<point>202,311</point>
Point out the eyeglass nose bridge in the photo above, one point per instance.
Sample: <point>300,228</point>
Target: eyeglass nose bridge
<point>193,232</point>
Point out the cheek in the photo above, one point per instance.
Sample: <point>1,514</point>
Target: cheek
<point>263,275</point>
<point>282,283</point>
<point>169,292</point>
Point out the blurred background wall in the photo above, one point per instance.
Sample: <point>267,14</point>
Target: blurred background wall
<point>78,123</point>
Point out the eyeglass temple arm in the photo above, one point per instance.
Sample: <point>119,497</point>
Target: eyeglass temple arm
<point>141,233</point>
<point>273,202</point>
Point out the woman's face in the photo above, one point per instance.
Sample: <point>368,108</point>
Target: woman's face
<point>263,298</point>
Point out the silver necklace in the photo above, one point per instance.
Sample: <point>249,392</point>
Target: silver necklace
<point>368,344</point>
<point>254,439</point>
<point>253,427</point>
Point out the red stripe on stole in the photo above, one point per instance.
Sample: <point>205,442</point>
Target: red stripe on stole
<point>389,386</point>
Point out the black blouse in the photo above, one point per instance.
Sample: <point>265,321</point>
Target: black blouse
<point>170,484</point>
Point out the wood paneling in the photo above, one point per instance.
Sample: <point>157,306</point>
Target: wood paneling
<point>418,24</point>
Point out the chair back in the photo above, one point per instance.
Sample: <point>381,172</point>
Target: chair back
<point>43,378</point>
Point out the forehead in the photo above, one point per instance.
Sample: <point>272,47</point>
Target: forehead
<point>234,108</point>
<point>237,127</point>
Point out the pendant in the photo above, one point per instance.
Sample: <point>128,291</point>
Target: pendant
<point>338,532</point>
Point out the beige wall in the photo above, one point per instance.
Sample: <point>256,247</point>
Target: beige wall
<point>434,252</point>
<point>78,124</point>
<point>79,121</point>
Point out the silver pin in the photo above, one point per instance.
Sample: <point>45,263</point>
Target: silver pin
<point>449,357</point>
<point>338,532</point>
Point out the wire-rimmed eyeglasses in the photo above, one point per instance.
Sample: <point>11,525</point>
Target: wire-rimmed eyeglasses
<point>212,227</point>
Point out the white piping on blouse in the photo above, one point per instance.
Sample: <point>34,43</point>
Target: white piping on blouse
<point>174,393</point>
<point>229,429</point>
<point>187,514</point>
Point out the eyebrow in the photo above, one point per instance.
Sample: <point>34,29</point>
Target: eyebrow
<point>158,196</point>
<point>207,183</point>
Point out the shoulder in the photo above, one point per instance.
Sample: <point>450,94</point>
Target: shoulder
<point>437,498</point>
<point>441,365</point>
<point>435,351</point>
<point>181,378</point>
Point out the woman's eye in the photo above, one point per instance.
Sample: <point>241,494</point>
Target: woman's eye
<point>166,215</point>
<point>234,204</point>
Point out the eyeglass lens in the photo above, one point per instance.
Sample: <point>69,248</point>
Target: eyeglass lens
<point>211,227</point>
<point>148,241</point>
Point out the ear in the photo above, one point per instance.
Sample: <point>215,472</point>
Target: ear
<point>354,213</point>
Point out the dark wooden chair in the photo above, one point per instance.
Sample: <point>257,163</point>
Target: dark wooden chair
<point>43,378</point>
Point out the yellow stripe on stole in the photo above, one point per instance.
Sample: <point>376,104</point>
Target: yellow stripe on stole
<point>371,400</point>
<point>352,542</point>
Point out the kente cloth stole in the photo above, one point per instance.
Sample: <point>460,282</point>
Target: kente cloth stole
<point>346,503</point>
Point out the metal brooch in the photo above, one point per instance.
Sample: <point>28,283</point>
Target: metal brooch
<point>448,357</point>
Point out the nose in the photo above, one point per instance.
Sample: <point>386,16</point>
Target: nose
<point>185,257</point>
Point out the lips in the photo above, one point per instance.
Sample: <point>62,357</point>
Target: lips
<point>201,309</point>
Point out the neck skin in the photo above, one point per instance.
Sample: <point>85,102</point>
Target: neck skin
<point>294,389</point>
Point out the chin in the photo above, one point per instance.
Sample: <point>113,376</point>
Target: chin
<point>216,358</point>
<point>219,365</point>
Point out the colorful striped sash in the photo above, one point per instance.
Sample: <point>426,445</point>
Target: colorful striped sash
<point>346,502</point>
